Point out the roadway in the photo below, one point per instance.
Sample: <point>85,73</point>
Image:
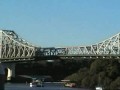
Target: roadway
<point>47,86</point>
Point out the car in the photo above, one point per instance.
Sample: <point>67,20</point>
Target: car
<point>70,84</point>
<point>39,83</point>
<point>98,88</point>
<point>36,83</point>
<point>32,84</point>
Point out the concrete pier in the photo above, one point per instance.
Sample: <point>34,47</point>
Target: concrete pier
<point>2,77</point>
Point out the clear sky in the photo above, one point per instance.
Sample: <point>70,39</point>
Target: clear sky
<point>61,22</point>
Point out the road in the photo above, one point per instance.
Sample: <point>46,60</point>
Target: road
<point>47,86</point>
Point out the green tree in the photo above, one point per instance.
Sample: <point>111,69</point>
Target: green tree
<point>112,71</point>
<point>115,84</point>
<point>106,82</point>
<point>93,80</point>
<point>96,67</point>
<point>86,82</point>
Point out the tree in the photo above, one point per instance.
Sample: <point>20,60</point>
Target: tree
<point>96,67</point>
<point>115,84</point>
<point>86,82</point>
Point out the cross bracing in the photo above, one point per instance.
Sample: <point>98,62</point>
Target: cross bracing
<point>13,46</point>
<point>105,49</point>
<point>109,46</point>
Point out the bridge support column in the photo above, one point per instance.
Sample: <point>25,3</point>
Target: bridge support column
<point>2,77</point>
<point>10,68</point>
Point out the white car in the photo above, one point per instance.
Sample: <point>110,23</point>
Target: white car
<point>36,83</point>
<point>70,85</point>
<point>98,88</point>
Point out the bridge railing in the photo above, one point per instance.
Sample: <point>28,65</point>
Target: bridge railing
<point>52,51</point>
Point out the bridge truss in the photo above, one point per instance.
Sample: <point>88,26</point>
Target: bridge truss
<point>13,47</point>
<point>109,48</point>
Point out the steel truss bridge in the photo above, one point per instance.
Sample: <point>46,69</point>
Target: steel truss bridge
<point>14,48</point>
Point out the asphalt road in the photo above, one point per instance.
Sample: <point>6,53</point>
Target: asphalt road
<point>47,86</point>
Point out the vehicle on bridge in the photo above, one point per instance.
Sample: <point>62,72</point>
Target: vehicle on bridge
<point>68,83</point>
<point>98,88</point>
<point>36,83</point>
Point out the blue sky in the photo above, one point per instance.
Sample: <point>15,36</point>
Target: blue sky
<point>49,23</point>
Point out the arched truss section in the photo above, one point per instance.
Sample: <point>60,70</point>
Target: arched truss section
<point>110,46</point>
<point>12,46</point>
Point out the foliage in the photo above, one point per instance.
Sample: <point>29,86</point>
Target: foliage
<point>115,84</point>
<point>103,73</point>
<point>85,82</point>
<point>96,67</point>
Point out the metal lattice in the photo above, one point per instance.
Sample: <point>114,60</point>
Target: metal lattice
<point>12,46</point>
<point>110,46</point>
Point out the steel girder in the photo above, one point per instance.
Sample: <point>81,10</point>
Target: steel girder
<point>50,51</point>
<point>109,46</point>
<point>14,47</point>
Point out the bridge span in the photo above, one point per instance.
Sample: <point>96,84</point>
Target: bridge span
<point>14,48</point>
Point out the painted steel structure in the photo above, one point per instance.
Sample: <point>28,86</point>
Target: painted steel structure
<point>109,46</point>
<point>14,48</point>
<point>107,49</point>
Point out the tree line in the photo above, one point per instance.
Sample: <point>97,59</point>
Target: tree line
<point>105,73</point>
